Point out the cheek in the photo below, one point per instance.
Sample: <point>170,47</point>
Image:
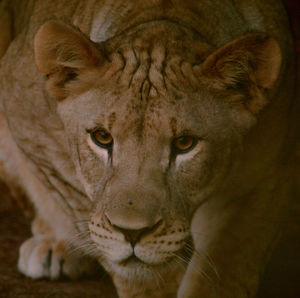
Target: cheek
<point>183,160</point>
<point>91,165</point>
<point>207,172</point>
<point>193,166</point>
<point>194,174</point>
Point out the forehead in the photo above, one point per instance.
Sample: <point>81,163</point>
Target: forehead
<point>119,110</point>
<point>143,87</point>
<point>128,111</point>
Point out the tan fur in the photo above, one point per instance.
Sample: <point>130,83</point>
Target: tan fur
<point>163,223</point>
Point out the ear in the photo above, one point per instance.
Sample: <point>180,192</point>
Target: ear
<point>251,61</point>
<point>62,53</point>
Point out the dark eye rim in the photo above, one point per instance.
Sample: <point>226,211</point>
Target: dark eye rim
<point>99,144</point>
<point>178,151</point>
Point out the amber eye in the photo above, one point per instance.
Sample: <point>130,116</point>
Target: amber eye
<point>102,138</point>
<point>184,144</point>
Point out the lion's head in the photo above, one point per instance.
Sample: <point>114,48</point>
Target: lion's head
<point>155,119</point>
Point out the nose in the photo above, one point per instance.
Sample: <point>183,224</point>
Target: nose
<point>134,235</point>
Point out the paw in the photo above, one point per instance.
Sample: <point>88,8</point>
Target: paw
<point>42,257</point>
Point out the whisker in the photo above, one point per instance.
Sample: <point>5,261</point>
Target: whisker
<point>208,259</point>
<point>82,234</point>
<point>78,238</point>
<point>182,259</point>
<point>83,249</point>
<point>179,262</point>
<point>211,263</point>
<point>196,269</point>
<point>81,220</point>
<point>158,279</point>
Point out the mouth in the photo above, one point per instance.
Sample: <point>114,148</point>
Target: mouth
<point>133,268</point>
<point>133,260</point>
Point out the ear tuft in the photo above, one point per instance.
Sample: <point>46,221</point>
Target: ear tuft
<point>254,56</point>
<point>61,53</point>
<point>268,61</point>
<point>253,59</point>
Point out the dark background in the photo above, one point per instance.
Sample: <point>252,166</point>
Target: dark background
<point>281,279</point>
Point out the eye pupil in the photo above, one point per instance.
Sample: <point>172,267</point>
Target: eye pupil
<point>184,141</point>
<point>102,135</point>
<point>102,138</point>
<point>184,144</point>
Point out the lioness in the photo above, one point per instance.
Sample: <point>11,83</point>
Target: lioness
<point>150,136</point>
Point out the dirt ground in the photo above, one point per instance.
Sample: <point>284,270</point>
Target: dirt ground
<point>281,279</point>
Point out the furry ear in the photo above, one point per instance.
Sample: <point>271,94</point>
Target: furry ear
<point>62,53</point>
<point>250,60</point>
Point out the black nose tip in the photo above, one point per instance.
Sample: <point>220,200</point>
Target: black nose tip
<point>133,236</point>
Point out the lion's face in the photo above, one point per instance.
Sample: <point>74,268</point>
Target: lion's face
<point>152,137</point>
<point>146,163</point>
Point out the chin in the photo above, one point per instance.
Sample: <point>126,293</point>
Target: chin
<point>137,270</point>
